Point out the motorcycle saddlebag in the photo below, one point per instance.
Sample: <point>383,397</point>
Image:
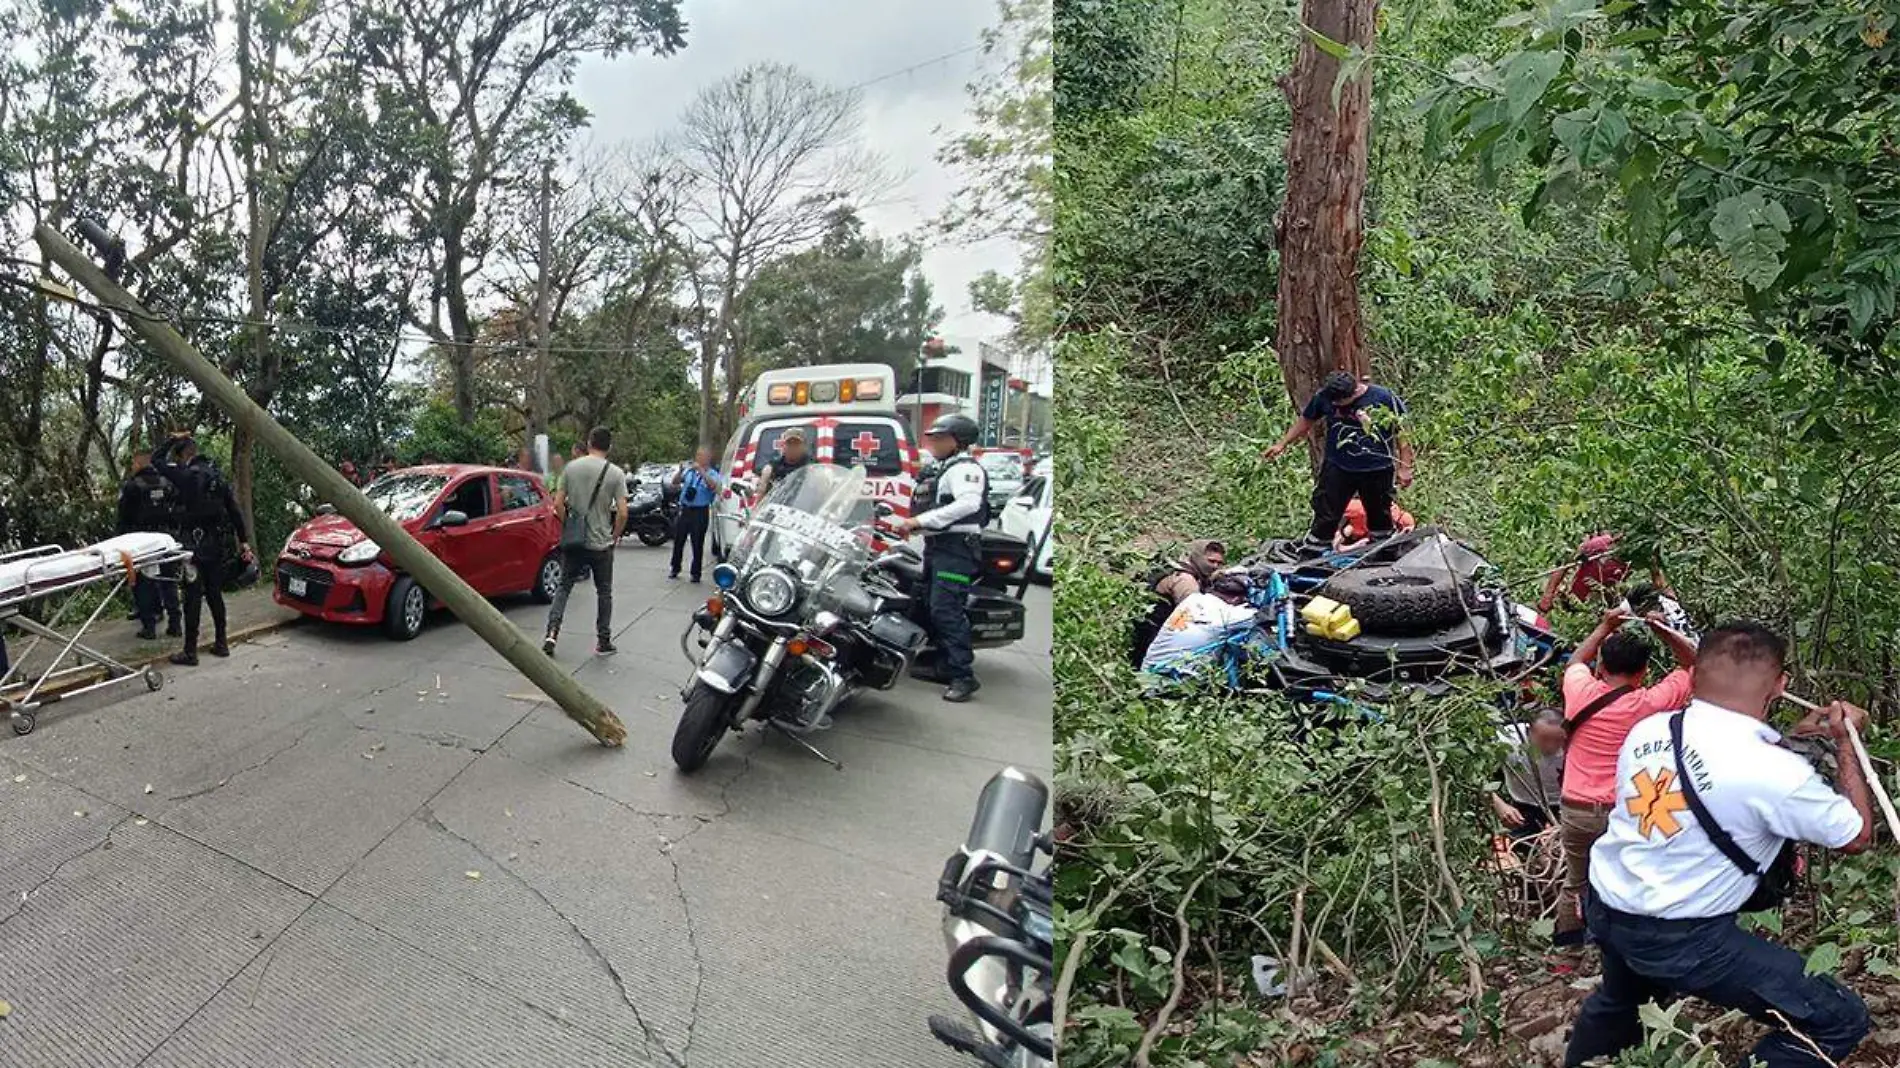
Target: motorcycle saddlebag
<point>893,630</point>
<point>995,618</point>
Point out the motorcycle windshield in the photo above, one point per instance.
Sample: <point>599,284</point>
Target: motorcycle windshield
<point>813,522</point>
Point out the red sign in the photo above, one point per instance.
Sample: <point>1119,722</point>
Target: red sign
<point>865,445</point>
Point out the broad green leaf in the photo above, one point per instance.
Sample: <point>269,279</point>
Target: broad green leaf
<point>1526,76</point>
<point>1825,959</point>
<point>1861,303</point>
<point>1749,230</point>
<point>1326,44</point>
<point>1657,1018</point>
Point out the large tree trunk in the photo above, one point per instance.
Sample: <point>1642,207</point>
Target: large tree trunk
<point>461,328</point>
<point>1320,227</point>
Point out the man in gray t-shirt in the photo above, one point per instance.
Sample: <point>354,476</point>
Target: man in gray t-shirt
<point>593,491</point>
<point>1533,773</point>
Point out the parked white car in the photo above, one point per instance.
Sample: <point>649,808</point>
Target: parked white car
<point>1030,515</point>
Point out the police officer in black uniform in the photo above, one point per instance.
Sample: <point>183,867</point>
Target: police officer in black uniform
<point>209,519</point>
<point>952,506</point>
<point>149,502</point>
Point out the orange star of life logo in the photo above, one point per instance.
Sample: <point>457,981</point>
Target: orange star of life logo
<point>1655,804</point>
<point>1179,620</point>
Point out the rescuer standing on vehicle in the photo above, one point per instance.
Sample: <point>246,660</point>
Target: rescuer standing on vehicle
<point>1365,453</point>
<point>952,507</point>
<point>149,502</point>
<point>210,517</point>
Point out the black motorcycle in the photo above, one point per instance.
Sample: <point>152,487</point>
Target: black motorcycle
<point>996,614</point>
<point>653,512</point>
<point>799,624</point>
<point>998,925</point>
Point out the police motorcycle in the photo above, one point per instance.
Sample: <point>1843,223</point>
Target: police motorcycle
<point>799,623</point>
<point>998,927</point>
<point>653,511</point>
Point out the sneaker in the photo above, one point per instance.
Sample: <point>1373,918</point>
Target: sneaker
<point>695,579</point>
<point>173,630</point>
<point>673,576</point>
<point>961,690</point>
<point>185,659</point>
<point>148,634</point>
<point>547,645</point>
<point>220,649</point>
<point>605,647</point>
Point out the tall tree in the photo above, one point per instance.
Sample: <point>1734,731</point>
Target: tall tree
<point>770,152</point>
<point>852,298</point>
<point>1321,225</point>
<point>478,86</point>
<point>1007,160</point>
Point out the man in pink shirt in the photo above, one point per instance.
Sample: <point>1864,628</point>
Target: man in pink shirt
<point>1604,696</point>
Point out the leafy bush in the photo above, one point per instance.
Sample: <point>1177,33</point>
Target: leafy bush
<point>439,434</point>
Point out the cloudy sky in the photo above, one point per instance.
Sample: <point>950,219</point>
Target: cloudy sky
<point>840,43</point>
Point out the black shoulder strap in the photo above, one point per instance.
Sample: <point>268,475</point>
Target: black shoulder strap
<point>1723,842</point>
<point>1598,705</point>
<point>605,470</point>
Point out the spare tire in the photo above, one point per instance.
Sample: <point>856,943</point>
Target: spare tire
<point>1388,601</point>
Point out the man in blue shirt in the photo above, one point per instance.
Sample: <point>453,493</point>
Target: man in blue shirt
<point>1366,454</point>
<point>699,486</point>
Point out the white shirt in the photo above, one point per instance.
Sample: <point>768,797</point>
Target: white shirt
<point>960,492</point>
<point>1656,860</point>
<point>1674,615</point>
<point>1196,623</point>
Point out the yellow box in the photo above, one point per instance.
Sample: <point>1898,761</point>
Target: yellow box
<point>1327,618</point>
<point>1325,612</point>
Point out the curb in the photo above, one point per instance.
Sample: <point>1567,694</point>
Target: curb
<point>236,637</point>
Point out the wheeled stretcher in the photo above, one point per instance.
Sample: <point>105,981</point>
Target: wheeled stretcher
<point>31,574</point>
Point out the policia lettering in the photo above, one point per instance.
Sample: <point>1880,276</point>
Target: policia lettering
<point>951,506</point>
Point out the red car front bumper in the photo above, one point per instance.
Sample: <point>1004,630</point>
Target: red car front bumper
<point>323,590</point>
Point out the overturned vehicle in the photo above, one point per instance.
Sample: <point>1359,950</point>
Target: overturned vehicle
<point>1417,610</point>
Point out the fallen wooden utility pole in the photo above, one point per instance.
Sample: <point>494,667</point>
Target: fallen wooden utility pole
<point>445,585</point>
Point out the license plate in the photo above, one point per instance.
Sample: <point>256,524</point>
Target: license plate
<point>297,587</point>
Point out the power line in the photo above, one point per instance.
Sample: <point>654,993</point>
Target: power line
<point>913,68</point>
<point>296,327</point>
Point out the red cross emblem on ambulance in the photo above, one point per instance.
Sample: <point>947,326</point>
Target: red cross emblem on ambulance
<point>865,445</point>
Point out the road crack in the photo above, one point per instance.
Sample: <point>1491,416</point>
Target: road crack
<point>692,930</point>
<point>315,722</point>
<point>28,894</point>
<point>652,1035</point>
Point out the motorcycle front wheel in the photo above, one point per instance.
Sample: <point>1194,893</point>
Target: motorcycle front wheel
<point>653,536</point>
<point>701,726</point>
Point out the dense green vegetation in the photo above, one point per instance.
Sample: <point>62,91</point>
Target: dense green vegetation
<point>1617,294</point>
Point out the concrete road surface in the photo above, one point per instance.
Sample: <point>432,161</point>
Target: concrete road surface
<point>332,849</point>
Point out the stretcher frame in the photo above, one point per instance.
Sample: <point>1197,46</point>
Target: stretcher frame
<point>22,692</point>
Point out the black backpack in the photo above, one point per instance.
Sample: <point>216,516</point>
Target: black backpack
<point>157,500</point>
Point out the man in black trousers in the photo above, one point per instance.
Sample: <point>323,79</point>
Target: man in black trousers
<point>699,487</point>
<point>1366,454</point>
<point>209,518</point>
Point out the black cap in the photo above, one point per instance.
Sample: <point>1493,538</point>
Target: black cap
<point>956,425</point>
<point>1339,385</point>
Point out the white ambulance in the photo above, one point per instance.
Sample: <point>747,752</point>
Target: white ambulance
<point>849,415</point>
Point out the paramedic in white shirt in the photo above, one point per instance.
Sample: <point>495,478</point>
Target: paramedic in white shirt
<point>1664,898</point>
<point>1195,631</point>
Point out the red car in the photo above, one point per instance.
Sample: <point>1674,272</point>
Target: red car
<point>494,526</point>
